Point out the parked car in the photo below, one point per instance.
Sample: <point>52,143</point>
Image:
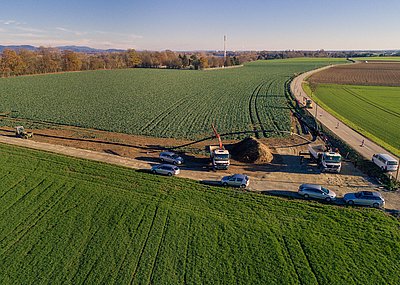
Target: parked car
<point>317,192</point>
<point>171,157</point>
<point>385,162</point>
<point>165,169</point>
<point>237,180</point>
<point>366,198</point>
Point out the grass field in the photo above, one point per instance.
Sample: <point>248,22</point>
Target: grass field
<point>162,103</point>
<point>372,110</point>
<point>70,221</point>
<point>380,58</point>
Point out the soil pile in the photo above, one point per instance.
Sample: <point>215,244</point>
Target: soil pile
<point>251,150</point>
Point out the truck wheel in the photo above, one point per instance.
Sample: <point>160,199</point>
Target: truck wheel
<point>242,186</point>
<point>328,199</point>
<point>350,202</point>
<point>154,172</point>
<point>306,196</point>
<point>169,173</point>
<point>375,205</point>
<point>225,184</point>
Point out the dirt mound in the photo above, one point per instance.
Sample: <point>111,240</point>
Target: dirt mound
<point>251,150</point>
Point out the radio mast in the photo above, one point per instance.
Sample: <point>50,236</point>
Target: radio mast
<point>224,49</point>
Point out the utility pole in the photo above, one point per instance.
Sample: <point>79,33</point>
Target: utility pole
<point>224,49</point>
<point>316,116</point>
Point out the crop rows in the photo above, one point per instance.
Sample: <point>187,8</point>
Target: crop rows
<point>161,103</point>
<point>371,110</point>
<point>72,221</point>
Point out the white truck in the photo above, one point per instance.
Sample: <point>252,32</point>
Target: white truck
<point>219,157</point>
<point>329,161</point>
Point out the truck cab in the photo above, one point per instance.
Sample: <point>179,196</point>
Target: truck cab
<point>331,161</point>
<point>220,158</point>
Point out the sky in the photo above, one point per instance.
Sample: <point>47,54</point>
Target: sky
<point>200,25</point>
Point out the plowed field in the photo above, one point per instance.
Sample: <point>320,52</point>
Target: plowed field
<point>374,74</point>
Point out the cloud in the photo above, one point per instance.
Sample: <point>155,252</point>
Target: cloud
<point>77,33</point>
<point>29,29</point>
<point>16,33</point>
<point>10,22</point>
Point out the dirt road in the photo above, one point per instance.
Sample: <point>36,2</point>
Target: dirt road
<point>281,181</point>
<point>357,141</point>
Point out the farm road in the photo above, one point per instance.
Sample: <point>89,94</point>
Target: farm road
<point>358,142</point>
<point>274,183</point>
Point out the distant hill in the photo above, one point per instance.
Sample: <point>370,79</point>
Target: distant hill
<point>84,49</point>
<point>28,47</point>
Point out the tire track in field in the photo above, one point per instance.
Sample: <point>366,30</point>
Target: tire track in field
<point>308,262</point>
<point>253,116</point>
<point>111,239</point>
<point>13,187</point>
<point>189,238</point>
<point>25,194</point>
<point>81,251</point>
<point>19,234</point>
<point>269,114</point>
<point>156,121</point>
<point>144,246</point>
<point>162,239</point>
<point>355,94</point>
<point>257,111</point>
<point>114,278</point>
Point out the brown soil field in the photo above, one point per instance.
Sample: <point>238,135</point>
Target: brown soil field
<point>374,74</point>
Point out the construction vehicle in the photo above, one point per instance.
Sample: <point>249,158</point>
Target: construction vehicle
<point>218,154</point>
<point>329,160</point>
<point>21,133</point>
<point>309,104</point>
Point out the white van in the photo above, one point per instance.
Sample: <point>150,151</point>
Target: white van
<point>385,162</point>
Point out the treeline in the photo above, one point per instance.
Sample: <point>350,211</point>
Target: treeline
<point>50,60</point>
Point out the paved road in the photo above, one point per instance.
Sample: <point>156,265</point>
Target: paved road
<point>358,142</point>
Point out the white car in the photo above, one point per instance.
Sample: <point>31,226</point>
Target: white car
<point>317,192</point>
<point>165,169</point>
<point>236,180</point>
<point>385,162</point>
<point>170,157</point>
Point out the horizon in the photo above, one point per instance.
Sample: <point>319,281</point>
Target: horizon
<point>177,25</point>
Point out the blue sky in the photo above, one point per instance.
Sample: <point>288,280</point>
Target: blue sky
<point>200,25</point>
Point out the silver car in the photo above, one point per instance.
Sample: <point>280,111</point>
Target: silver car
<point>317,192</point>
<point>365,198</point>
<point>236,180</point>
<point>171,157</point>
<point>165,169</point>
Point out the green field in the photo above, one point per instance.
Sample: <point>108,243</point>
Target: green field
<point>70,221</point>
<point>372,110</point>
<point>380,58</point>
<point>162,103</point>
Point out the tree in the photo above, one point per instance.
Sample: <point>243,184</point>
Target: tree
<point>71,61</point>
<point>203,62</point>
<point>133,58</point>
<point>11,63</point>
<point>185,60</point>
